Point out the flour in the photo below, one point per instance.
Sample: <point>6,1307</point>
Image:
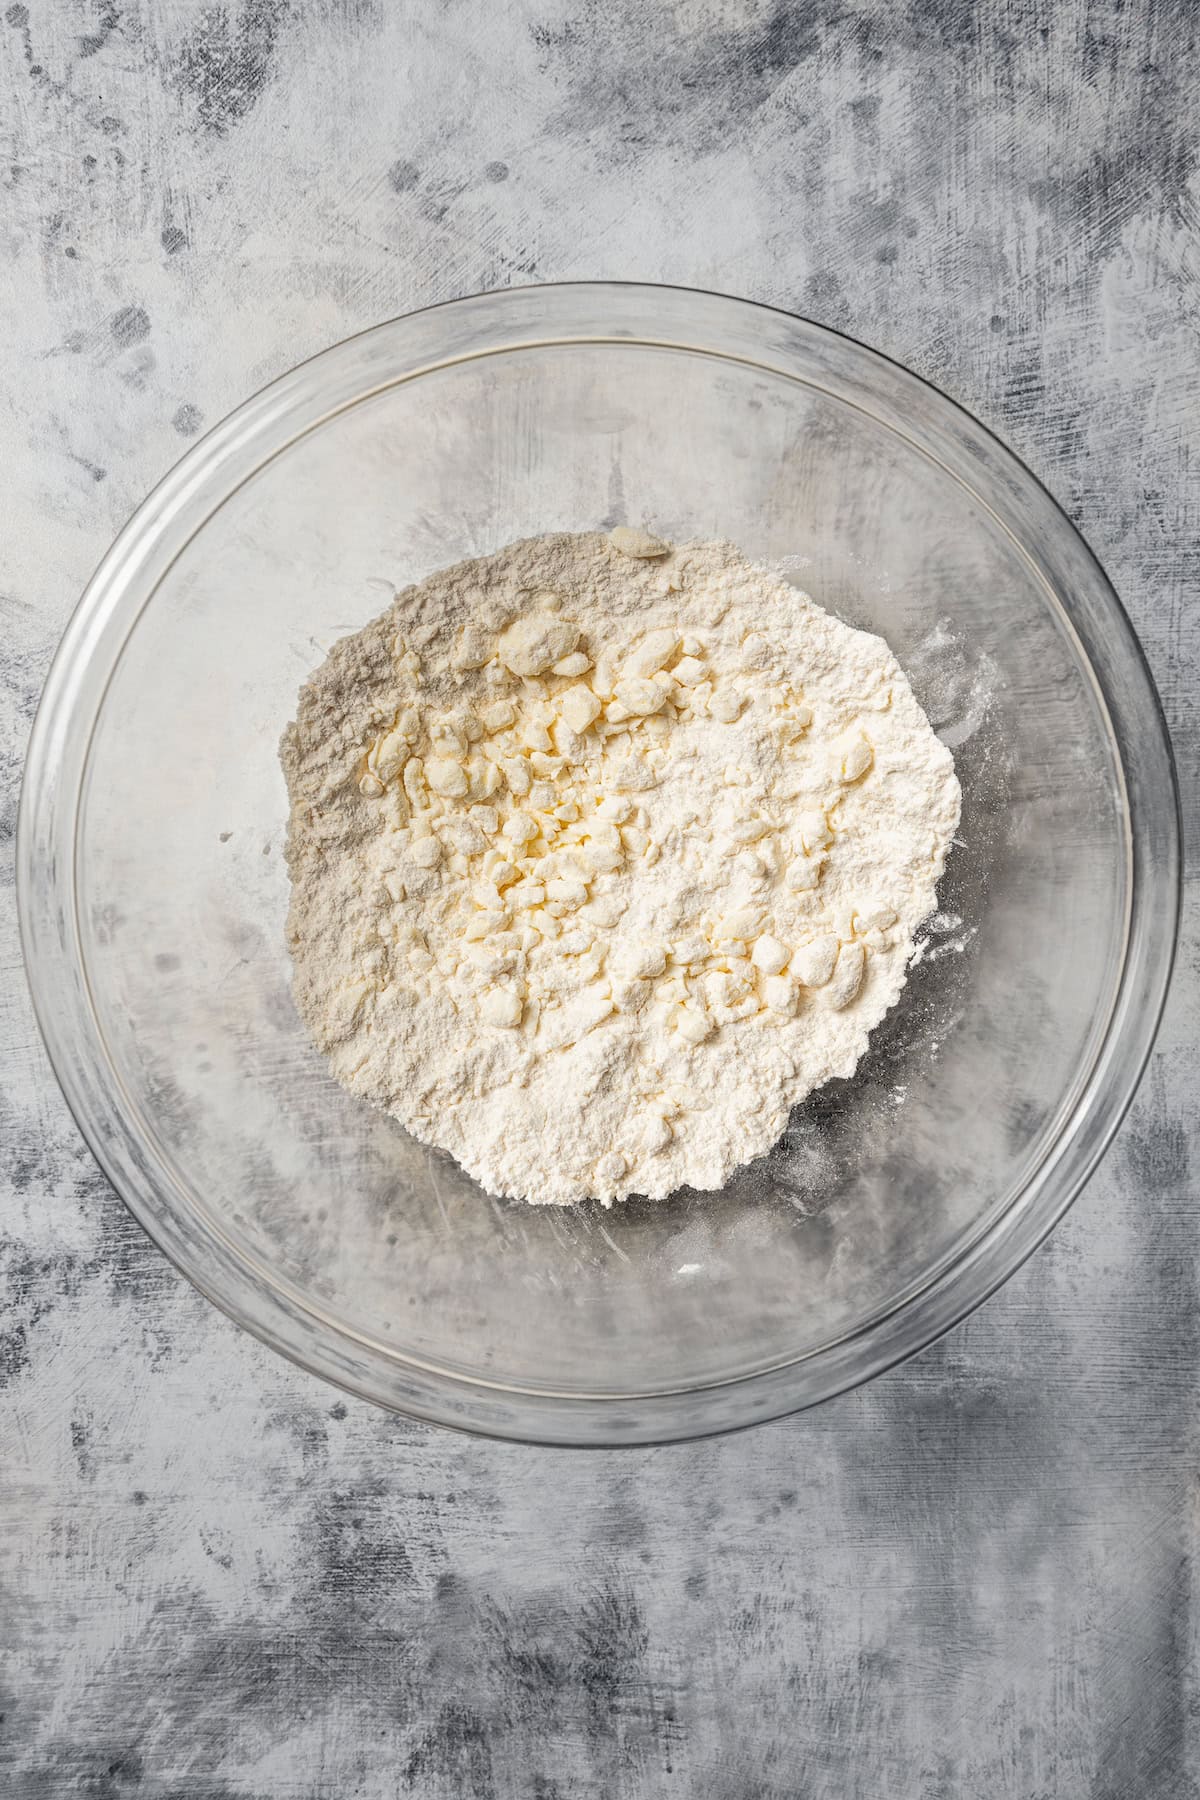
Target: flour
<point>604,854</point>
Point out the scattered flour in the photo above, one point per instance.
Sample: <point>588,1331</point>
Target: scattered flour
<point>604,854</point>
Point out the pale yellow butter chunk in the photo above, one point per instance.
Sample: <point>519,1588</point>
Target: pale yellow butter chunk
<point>501,1007</point>
<point>640,697</point>
<point>579,707</point>
<point>631,541</point>
<point>532,644</point>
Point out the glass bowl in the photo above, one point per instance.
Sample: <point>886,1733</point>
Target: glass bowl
<point>153,889</point>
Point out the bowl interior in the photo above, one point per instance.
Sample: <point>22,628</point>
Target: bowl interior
<point>181,888</point>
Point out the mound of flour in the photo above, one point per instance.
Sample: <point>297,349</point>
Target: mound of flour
<point>604,854</point>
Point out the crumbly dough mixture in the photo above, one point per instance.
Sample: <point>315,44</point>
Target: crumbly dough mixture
<point>604,854</point>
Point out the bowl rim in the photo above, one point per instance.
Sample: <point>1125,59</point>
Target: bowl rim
<point>125,582</point>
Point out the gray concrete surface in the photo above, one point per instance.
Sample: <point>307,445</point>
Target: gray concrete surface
<point>218,1581</point>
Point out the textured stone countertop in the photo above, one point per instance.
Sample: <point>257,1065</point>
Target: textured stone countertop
<point>218,1580</point>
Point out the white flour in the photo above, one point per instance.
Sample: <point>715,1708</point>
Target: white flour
<point>603,856</point>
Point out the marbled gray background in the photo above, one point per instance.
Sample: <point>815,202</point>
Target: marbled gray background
<point>218,1580</point>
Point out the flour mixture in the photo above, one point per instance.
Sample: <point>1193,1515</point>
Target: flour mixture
<point>604,854</point>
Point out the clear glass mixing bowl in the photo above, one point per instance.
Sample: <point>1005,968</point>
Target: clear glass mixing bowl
<point>153,890</point>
